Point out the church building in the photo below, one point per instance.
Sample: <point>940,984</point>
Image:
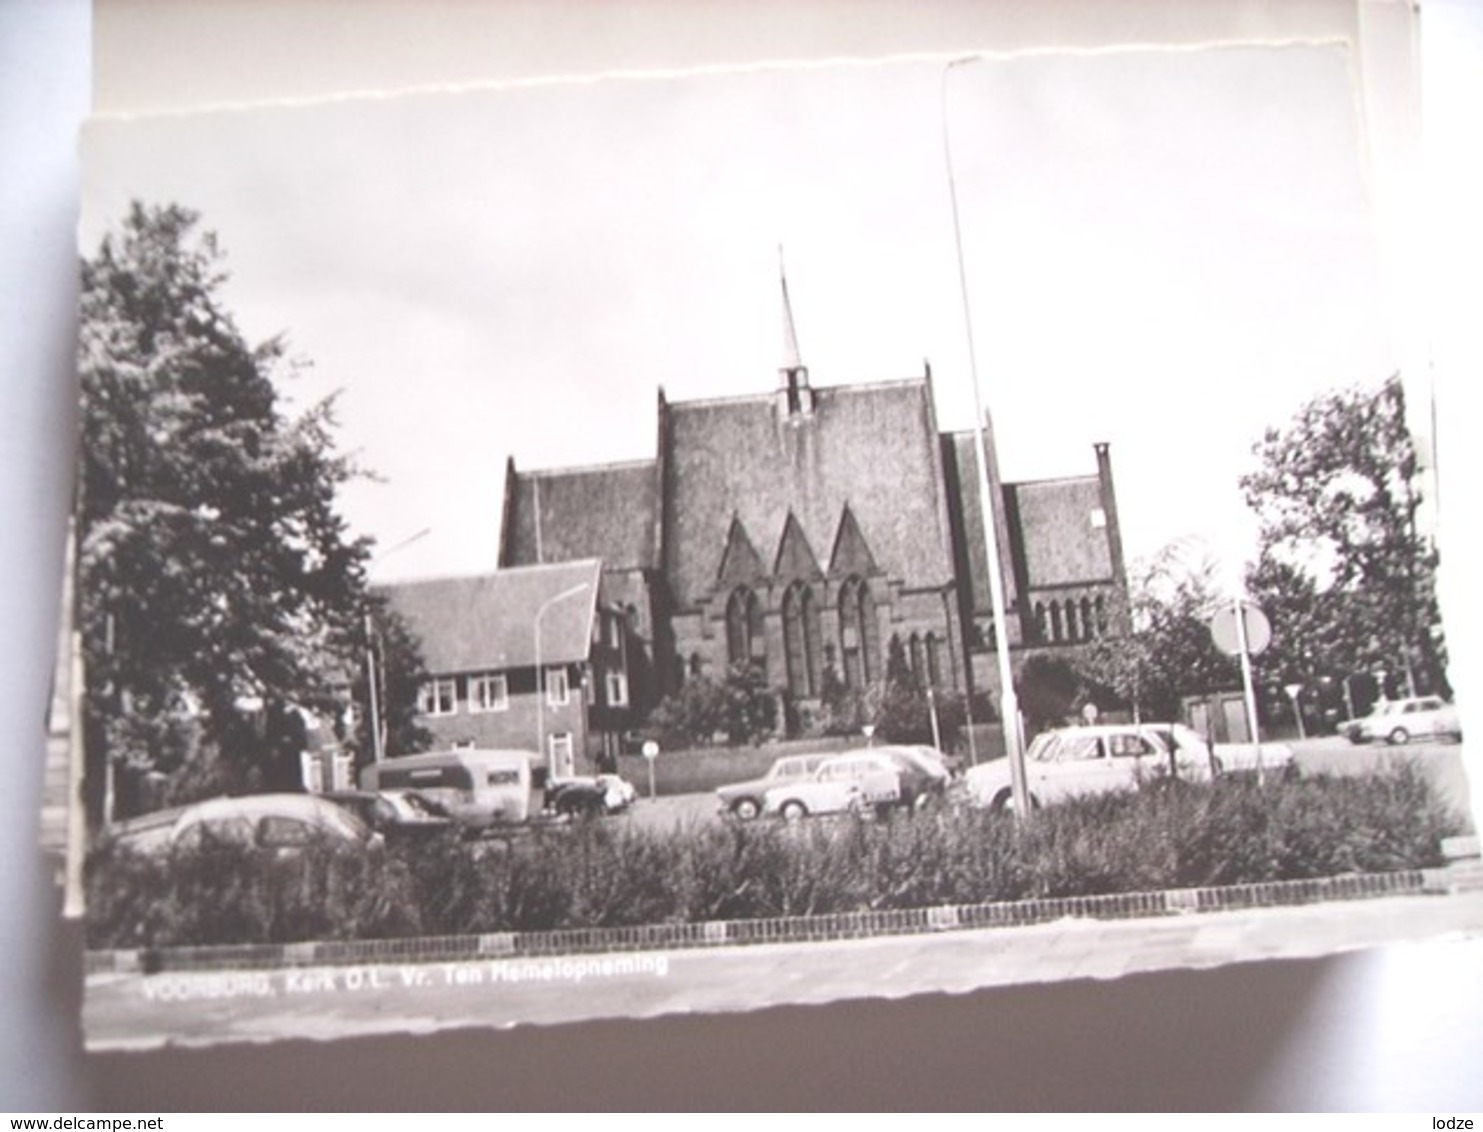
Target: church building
<point>800,530</point>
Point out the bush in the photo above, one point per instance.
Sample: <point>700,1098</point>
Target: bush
<point>609,873</point>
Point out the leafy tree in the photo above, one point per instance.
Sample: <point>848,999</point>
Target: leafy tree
<point>750,707</point>
<point>214,569</point>
<point>1345,571</point>
<point>1048,688</point>
<point>1166,652</point>
<point>394,656</point>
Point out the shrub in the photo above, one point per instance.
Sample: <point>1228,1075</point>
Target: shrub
<point>611,873</point>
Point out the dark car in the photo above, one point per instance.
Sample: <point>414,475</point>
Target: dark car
<point>589,796</point>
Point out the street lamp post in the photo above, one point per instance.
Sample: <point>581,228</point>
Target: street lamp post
<point>373,698</point>
<point>570,591</point>
<point>1008,700</point>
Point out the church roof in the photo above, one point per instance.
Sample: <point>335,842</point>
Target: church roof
<point>871,447</point>
<point>486,622</point>
<point>1063,531</point>
<point>607,511</point>
<point>1051,527</point>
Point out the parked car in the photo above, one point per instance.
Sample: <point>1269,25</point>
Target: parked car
<point>395,814</point>
<point>282,823</point>
<point>924,777</point>
<point>1071,761</point>
<point>1400,721</point>
<point>1225,758</point>
<point>589,795</point>
<point>744,799</point>
<point>841,783</point>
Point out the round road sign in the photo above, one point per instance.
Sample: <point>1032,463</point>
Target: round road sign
<point>1254,621</point>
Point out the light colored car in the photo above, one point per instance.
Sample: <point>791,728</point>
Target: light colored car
<point>1225,758</point>
<point>744,799</point>
<point>1072,761</point>
<point>1400,721</point>
<point>841,783</point>
<point>281,823</point>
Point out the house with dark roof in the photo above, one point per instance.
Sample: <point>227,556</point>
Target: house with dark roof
<point>532,657</point>
<point>800,530</point>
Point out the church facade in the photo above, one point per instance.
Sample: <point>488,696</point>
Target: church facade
<point>798,531</point>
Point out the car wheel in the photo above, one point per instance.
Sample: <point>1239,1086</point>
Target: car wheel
<point>1004,802</point>
<point>746,808</point>
<point>1399,737</point>
<point>793,810</point>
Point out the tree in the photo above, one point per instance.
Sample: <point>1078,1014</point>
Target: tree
<point>214,570</point>
<point>1166,652</point>
<point>1348,574</point>
<point>394,657</point>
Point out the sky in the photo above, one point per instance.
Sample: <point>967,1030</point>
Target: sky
<point>1167,250</point>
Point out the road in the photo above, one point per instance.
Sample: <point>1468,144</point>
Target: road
<point>1442,762</point>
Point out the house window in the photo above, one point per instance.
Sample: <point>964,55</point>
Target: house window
<point>489,693</point>
<point>558,692</point>
<point>438,697</point>
<point>617,689</point>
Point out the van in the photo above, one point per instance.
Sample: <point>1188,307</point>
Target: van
<point>476,787</point>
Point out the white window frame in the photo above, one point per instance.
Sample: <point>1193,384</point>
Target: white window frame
<point>489,692</point>
<point>616,686</point>
<point>430,700</point>
<point>558,687</point>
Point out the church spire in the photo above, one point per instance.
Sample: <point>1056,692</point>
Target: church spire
<point>792,360</point>
<point>795,398</point>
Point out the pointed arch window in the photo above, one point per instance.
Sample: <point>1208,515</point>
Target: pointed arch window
<point>1088,626</point>
<point>859,634</point>
<point>1073,628</point>
<point>918,666</point>
<point>1057,629</point>
<point>802,646</point>
<point>934,661</point>
<point>746,643</point>
<point>1042,620</point>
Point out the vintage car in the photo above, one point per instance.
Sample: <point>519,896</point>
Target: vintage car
<point>589,795</point>
<point>278,823</point>
<point>842,783</point>
<point>395,814</point>
<point>1071,761</point>
<point>1400,721</point>
<point>744,799</point>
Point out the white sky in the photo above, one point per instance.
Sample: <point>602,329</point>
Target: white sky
<point>1165,250</point>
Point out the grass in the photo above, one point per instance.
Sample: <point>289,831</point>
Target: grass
<point>609,873</point>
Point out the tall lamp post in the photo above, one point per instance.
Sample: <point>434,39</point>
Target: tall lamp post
<point>373,697</point>
<point>570,591</point>
<point>1008,700</point>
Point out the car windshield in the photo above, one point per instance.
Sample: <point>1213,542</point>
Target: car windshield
<point>1063,747</point>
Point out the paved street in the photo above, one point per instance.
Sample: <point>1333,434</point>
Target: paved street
<point>136,1011</point>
